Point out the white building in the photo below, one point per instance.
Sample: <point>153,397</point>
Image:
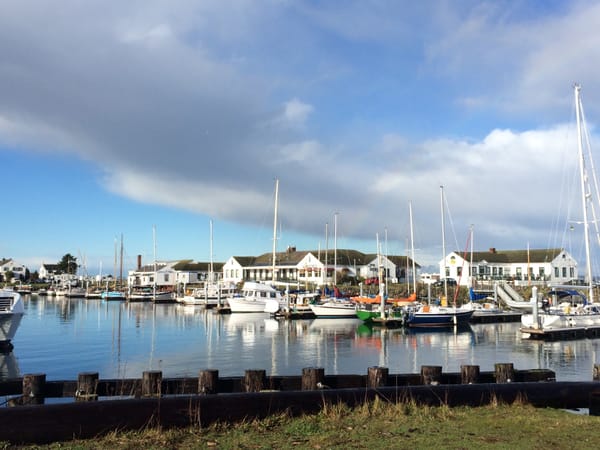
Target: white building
<point>19,271</point>
<point>314,267</point>
<point>550,266</point>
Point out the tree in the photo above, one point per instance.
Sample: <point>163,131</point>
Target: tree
<point>68,264</point>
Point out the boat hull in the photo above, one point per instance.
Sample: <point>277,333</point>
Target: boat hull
<point>439,318</point>
<point>244,305</point>
<point>333,310</point>
<point>11,313</point>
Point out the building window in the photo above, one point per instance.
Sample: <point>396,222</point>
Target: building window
<point>572,272</point>
<point>556,272</point>
<point>564,272</point>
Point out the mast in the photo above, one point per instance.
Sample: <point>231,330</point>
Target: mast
<point>275,229</point>
<point>154,254</point>
<point>335,249</point>
<point>121,265</point>
<point>115,265</point>
<point>325,279</point>
<point>211,268</point>
<point>584,193</point>
<point>412,247</point>
<point>443,243</point>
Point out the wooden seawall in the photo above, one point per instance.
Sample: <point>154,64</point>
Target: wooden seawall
<point>184,402</point>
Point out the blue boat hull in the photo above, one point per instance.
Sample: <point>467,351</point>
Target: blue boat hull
<point>444,319</point>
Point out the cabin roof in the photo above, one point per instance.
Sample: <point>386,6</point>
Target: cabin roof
<point>515,256</point>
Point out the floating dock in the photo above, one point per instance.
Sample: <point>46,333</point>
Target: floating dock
<point>562,333</point>
<point>504,316</point>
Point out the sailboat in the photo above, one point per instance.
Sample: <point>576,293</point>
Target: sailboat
<point>115,294</point>
<point>336,306</point>
<point>150,293</point>
<point>435,315</point>
<point>255,296</point>
<point>371,307</point>
<point>569,310</point>
<point>212,290</point>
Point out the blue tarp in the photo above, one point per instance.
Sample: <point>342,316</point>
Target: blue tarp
<point>568,293</point>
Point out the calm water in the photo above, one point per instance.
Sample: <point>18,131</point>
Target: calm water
<point>121,340</point>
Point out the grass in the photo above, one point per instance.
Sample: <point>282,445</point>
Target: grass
<point>376,425</point>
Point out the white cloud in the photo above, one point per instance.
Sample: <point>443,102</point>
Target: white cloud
<point>296,112</point>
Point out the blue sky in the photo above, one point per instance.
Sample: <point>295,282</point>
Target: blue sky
<point>119,116</point>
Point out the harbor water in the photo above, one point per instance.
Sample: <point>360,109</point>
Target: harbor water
<point>63,337</point>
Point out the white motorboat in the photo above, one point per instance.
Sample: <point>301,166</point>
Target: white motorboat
<point>253,298</point>
<point>11,312</point>
<point>334,308</point>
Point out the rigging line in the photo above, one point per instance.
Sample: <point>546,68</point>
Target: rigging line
<point>447,209</point>
<point>594,191</point>
<point>457,288</point>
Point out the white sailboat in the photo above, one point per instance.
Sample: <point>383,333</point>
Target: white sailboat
<point>212,290</point>
<point>571,310</point>
<point>440,315</point>
<point>255,296</point>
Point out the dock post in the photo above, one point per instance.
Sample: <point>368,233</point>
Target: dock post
<point>33,389</point>
<point>431,374</point>
<point>594,406</point>
<point>536,319</point>
<point>469,374</point>
<point>152,383</point>
<point>87,385</point>
<point>377,376</point>
<point>312,378</point>
<point>207,381</point>
<point>254,380</point>
<point>504,372</point>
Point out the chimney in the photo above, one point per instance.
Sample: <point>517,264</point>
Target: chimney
<point>139,262</point>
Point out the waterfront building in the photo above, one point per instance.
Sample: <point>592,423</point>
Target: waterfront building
<point>548,266</point>
<point>19,271</point>
<point>315,267</point>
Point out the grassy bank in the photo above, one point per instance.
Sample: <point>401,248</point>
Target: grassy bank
<point>375,426</point>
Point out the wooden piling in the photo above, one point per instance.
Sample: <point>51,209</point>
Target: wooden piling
<point>312,378</point>
<point>151,383</point>
<point>469,374</point>
<point>254,380</point>
<point>87,385</point>
<point>431,374</point>
<point>505,372</point>
<point>208,381</point>
<point>377,376</point>
<point>33,389</point>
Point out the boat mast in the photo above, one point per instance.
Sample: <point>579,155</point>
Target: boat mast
<point>211,268</point>
<point>154,254</point>
<point>443,244</point>
<point>275,229</point>
<point>326,277</point>
<point>335,249</point>
<point>121,265</point>
<point>584,193</point>
<point>412,247</point>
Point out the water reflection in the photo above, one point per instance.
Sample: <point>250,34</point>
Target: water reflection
<point>62,337</point>
<point>9,367</point>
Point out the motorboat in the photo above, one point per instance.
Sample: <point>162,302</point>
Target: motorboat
<point>253,298</point>
<point>11,313</point>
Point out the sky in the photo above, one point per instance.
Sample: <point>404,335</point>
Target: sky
<point>149,120</point>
